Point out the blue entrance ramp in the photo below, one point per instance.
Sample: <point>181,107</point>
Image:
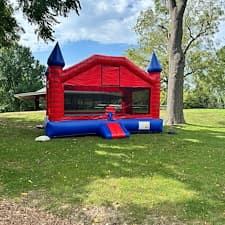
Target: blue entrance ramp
<point>112,130</point>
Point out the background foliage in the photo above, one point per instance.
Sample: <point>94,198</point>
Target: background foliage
<point>42,14</point>
<point>19,72</point>
<point>204,60</point>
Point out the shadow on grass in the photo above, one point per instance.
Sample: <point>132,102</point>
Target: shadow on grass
<point>167,213</point>
<point>221,124</point>
<point>151,176</point>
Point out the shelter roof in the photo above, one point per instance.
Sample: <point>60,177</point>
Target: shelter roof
<point>31,95</point>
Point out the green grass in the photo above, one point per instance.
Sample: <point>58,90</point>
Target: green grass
<point>149,176</point>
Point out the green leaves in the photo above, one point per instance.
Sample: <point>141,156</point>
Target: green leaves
<point>9,29</point>
<point>43,14</point>
<point>40,13</point>
<point>19,72</point>
<point>201,22</point>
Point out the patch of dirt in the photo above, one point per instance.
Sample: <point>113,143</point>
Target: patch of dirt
<point>13,213</point>
<point>97,215</point>
<point>18,214</point>
<point>163,220</point>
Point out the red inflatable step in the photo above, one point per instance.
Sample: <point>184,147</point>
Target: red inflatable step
<point>116,130</point>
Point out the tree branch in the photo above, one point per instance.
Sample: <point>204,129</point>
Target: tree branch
<point>190,33</point>
<point>188,74</point>
<point>192,72</point>
<point>164,29</point>
<point>201,32</point>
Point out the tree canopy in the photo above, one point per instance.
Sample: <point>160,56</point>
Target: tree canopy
<point>200,23</point>
<point>9,29</point>
<point>19,72</point>
<point>40,13</point>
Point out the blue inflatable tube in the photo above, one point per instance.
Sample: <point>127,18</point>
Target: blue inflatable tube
<point>143,125</point>
<point>72,127</point>
<point>86,127</point>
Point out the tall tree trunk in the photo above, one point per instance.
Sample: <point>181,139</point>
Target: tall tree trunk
<point>176,64</point>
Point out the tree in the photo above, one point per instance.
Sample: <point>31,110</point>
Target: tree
<point>179,30</point>
<point>9,28</point>
<point>40,13</point>
<point>176,63</point>
<point>210,83</point>
<point>218,68</point>
<point>19,72</point>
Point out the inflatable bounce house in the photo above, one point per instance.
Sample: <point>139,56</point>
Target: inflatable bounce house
<point>104,95</point>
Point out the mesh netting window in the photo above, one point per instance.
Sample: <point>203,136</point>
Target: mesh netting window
<point>91,102</point>
<point>140,101</point>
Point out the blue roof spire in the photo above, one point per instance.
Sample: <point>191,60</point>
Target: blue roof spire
<point>56,58</point>
<point>154,65</point>
<point>46,72</point>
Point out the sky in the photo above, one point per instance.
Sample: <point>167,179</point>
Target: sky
<point>103,27</point>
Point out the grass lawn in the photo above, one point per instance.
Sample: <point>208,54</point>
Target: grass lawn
<point>148,178</point>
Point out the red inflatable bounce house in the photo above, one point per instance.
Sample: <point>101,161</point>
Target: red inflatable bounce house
<point>104,95</point>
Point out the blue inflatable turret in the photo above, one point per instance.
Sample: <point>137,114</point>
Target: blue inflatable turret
<point>56,58</point>
<point>154,65</point>
<point>55,88</point>
<point>46,72</point>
